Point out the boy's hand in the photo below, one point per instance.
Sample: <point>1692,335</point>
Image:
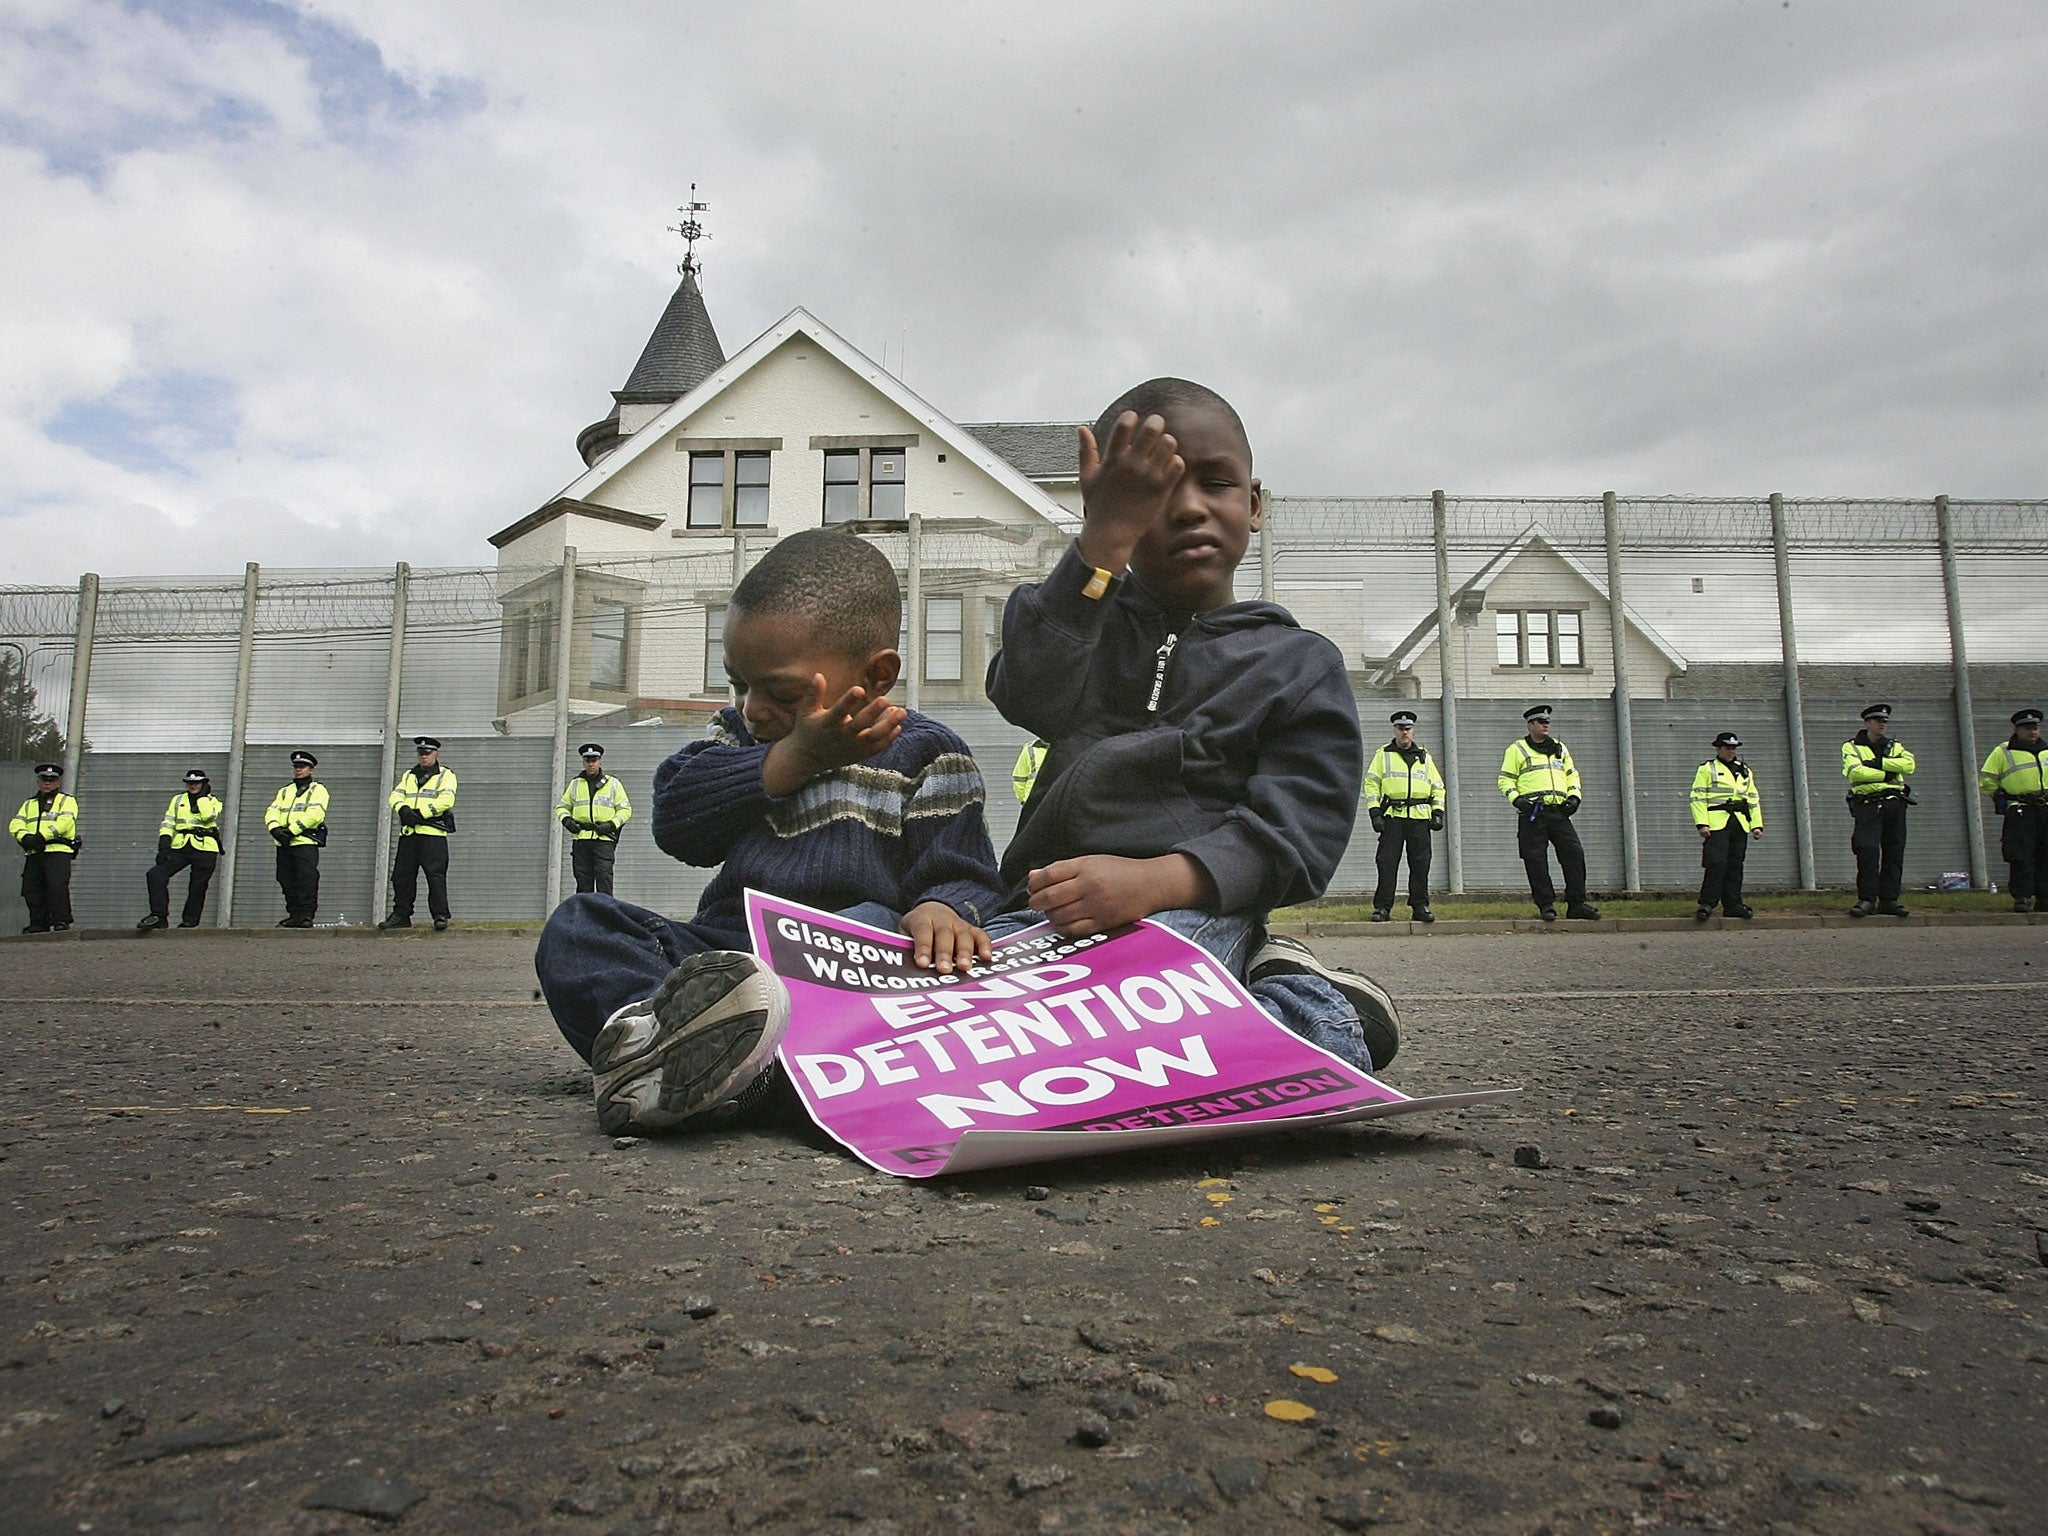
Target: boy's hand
<point>828,736</point>
<point>1100,891</point>
<point>943,940</point>
<point>1124,486</point>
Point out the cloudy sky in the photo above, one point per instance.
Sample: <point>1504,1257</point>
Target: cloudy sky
<point>337,282</point>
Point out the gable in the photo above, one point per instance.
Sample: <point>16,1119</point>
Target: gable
<point>814,384</point>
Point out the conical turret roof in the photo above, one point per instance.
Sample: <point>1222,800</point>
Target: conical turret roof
<point>681,354</point>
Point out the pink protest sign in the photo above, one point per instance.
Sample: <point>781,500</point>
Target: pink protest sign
<point>1062,1047</point>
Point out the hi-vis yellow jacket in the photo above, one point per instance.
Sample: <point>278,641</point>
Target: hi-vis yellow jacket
<point>192,822</point>
<point>1525,771</point>
<point>1398,787</point>
<point>300,810</point>
<point>2013,772</point>
<point>1872,772</point>
<point>599,811</point>
<point>55,823</point>
<point>433,798</point>
<point>1719,792</point>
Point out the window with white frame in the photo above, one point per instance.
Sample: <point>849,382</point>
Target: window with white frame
<point>608,646</point>
<point>715,683</point>
<point>942,637</point>
<point>728,489</point>
<point>865,484</point>
<point>991,628</point>
<point>537,649</point>
<point>1538,637</point>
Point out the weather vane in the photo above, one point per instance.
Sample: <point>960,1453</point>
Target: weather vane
<point>691,230</point>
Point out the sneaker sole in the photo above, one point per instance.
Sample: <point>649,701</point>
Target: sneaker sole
<point>1378,1018</point>
<point>716,1023</point>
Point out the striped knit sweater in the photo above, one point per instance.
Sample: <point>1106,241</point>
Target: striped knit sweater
<point>900,828</point>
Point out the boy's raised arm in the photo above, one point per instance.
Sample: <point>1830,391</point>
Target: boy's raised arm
<point>708,795</point>
<point>1124,486</point>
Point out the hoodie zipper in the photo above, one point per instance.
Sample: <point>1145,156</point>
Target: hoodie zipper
<point>1163,655</point>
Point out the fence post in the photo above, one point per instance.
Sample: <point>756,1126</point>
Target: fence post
<point>913,628</point>
<point>565,638</point>
<point>394,679</point>
<point>231,808</point>
<point>81,680</point>
<point>1795,709</point>
<point>1966,724</point>
<point>1624,722</point>
<point>1267,548</point>
<point>1454,845</point>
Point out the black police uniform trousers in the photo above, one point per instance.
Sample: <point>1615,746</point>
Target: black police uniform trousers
<point>1398,835</point>
<point>1879,843</point>
<point>1722,855</point>
<point>2023,844</point>
<point>46,889</point>
<point>298,876</point>
<point>1536,833</point>
<point>202,862</point>
<point>591,859</point>
<point>416,856</point>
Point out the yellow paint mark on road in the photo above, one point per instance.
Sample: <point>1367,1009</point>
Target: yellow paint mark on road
<point>1288,1411</point>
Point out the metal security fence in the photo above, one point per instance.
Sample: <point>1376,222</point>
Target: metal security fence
<point>1648,624</point>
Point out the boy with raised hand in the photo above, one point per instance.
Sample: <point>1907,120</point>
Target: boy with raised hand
<point>1205,758</point>
<point>811,786</point>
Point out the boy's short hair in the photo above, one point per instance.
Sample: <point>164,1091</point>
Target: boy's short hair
<point>838,580</point>
<point>1159,397</point>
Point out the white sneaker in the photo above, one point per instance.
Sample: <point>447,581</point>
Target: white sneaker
<point>1381,1021</point>
<point>691,1049</point>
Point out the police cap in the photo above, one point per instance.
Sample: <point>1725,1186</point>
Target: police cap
<point>56,771</point>
<point>1537,712</point>
<point>196,776</point>
<point>1878,712</point>
<point>589,750</point>
<point>2019,717</point>
<point>1727,739</point>
<point>305,760</point>
<point>1401,717</point>
<point>426,744</point>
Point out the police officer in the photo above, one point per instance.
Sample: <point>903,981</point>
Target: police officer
<point>424,799</point>
<point>46,826</point>
<point>1024,772</point>
<point>2012,776</point>
<point>1541,781</point>
<point>1729,815</point>
<point>1404,797</point>
<point>1876,768</point>
<point>189,838</point>
<point>297,822</point>
<point>594,810</point>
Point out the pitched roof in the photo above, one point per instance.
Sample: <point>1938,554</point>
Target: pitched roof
<point>682,352</point>
<point>585,487</point>
<point>1417,640</point>
<point>1038,450</point>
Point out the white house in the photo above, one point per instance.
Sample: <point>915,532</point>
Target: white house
<point>1533,622</point>
<point>704,458</point>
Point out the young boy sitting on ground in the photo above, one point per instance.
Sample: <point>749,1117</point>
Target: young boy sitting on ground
<point>1206,759</point>
<point>813,787</point>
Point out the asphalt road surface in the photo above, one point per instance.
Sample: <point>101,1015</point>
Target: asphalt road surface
<point>313,1233</point>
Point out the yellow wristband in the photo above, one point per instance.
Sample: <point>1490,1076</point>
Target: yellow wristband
<point>1097,584</point>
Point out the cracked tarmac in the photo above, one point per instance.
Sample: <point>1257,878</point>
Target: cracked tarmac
<point>312,1233</point>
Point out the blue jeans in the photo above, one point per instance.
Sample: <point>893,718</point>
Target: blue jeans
<point>1306,1005</point>
<point>597,954</point>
